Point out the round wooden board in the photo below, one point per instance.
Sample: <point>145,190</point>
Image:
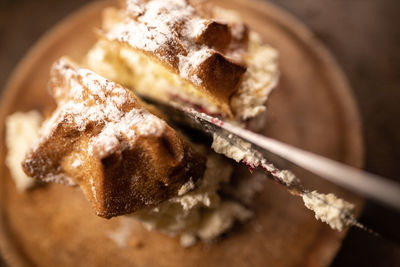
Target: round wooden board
<point>312,109</point>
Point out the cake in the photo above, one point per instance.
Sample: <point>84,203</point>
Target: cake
<point>101,138</point>
<point>186,52</point>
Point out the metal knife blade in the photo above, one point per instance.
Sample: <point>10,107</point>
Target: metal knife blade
<point>370,185</point>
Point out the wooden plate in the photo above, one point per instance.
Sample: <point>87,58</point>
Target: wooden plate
<point>312,109</point>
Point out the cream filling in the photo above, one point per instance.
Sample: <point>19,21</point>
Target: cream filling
<point>261,77</point>
<point>199,213</point>
<point>328,208</point>
<point>262,73</point>
<point>22,130</point>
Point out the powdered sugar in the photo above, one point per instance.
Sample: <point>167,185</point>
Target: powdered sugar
<point>86,98</point>
<point>93,188</point>
<point>59,178</point>
<point>188,63</point>
<point>134,7</point>
<point>155,24</point>
<point>160,26</point>
<point>90,106</point>
<point>77,163</point>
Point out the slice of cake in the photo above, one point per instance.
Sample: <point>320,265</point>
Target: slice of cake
<point>101,138</point>
<point>190,53</point>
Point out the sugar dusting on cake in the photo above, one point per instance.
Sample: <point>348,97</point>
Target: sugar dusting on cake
<point>160,25</point>
<point>94,99</point>
<point>85,99</point>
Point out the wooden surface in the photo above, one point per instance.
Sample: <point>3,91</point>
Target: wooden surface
<point>311,109</point>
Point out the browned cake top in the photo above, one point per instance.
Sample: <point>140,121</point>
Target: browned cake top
<point>206,52</point>
<point>101,138</point>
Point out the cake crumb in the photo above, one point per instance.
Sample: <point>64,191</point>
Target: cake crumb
<point>122,234</point>
<point>187,240</point>
<point>188,186</point>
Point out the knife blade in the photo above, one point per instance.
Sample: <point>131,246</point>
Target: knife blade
<point>370,185</point>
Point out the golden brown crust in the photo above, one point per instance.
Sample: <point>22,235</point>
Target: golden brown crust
<point>215,35</point>
<point>101,138</point>
<point>218,74</point>
<point>185,39</point>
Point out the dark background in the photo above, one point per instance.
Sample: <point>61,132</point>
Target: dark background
<point>363,35</point>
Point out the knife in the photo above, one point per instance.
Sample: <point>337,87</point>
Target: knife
<point>370,185</point>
